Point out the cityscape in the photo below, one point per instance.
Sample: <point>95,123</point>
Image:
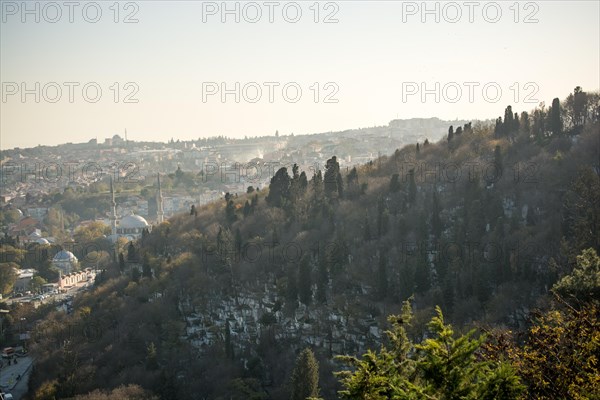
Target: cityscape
<point>299,200</point>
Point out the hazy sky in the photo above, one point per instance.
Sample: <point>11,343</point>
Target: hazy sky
<point>375,58</point>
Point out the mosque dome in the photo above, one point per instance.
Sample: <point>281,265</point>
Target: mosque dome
<point>133,222</point>
<point>64,256</point>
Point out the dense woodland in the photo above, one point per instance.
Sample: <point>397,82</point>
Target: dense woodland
<point>482,249</point>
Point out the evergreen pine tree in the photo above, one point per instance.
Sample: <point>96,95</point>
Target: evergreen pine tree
<point>305,377</point>
<point>230,212</point>
<point>524,124</point>
<point>556,125</point>
<point>303,182</point>
<point>279,189</point>
<point>121,263</point>
<point>131,253</point>
<point>333,184</point>
<point>247,209</point>
<point>146,270</point>
<point>508,125</point>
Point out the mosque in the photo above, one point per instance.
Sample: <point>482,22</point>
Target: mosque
<point>132,226</point>
<point>65,261</point>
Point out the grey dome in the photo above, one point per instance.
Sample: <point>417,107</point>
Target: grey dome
<point>63,256</point>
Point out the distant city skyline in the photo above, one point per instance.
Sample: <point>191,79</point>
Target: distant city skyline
<point>375,61</point>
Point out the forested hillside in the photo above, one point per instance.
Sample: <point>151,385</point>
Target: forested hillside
<point>218,303</point>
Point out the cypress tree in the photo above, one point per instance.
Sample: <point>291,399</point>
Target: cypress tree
<point>146,270</point>
<point>333,183</point>
<point>556,125</point>
<point>121,262</point>
<point>305,377</point>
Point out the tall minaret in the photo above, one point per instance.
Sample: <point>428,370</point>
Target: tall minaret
<point>113,216</point>
<point>160,214</point>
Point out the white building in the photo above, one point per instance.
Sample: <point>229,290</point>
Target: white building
<point>24,277</point>
<point>132,226</point>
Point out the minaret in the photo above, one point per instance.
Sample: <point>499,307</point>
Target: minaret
<point>160,214</point>
<point>113,216</point>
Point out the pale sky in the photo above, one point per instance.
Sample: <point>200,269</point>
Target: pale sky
<point>374,58</point>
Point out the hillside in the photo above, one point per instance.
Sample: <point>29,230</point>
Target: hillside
<point>218,303</point>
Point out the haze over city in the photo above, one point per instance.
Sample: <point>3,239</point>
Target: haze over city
<point>367,51</point>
